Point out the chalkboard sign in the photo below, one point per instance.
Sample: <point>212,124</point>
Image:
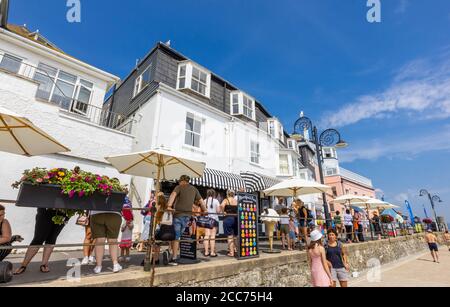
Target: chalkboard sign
<point>248,226</point>
<point>188,250</point>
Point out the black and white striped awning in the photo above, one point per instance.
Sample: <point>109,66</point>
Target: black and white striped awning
<point>219,180</point>
<point>257,182</point>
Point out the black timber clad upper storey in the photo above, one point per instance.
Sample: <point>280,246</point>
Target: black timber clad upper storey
<point>164,61</point>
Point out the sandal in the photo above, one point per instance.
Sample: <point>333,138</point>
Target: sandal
<point>213,255</point>
<point>206,255</point>
<point>20,270</point>
<point>44,269</point>
<point>230,255</point>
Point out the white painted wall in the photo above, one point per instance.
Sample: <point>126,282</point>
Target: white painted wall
<point>89,143</point>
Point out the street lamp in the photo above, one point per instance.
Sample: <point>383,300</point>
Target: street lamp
<point>328,138</point>
<point>432,199</point>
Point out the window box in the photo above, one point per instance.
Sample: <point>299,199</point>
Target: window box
<point>194,78</point>
<point>242,104</point>
<point>50,196</point>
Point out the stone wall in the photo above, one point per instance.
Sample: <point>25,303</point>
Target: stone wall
<point>291,269</point>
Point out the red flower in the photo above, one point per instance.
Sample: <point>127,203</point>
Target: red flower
<point>81,193</point>
<point>72,194</point>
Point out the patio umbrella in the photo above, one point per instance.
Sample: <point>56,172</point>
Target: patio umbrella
<point>349,198</point>
<point>296,187</point>
<point>18,135</point>
<point>158,164</point>
<point>373,203</point>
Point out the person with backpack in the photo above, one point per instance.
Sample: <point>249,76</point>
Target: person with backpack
<point>337,260</point>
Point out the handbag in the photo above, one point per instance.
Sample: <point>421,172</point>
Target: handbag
<point>83,220</point>
<point>165,233</point>
<point>205,222</point>
<point>167,219</point>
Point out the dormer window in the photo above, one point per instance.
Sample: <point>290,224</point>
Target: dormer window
<point>142,81</point>
<point>242,104</point>
<point>195,78</point>
<point>275,129</point>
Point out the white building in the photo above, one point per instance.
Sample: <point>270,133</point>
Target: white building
<point>63,96</point>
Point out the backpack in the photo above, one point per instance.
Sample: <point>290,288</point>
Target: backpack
<point>309,217</point>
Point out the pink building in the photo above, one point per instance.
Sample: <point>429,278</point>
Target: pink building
<point>343,181</point>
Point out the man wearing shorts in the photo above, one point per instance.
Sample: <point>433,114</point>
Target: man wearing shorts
<point>432,244</point>
<point>183,197</point>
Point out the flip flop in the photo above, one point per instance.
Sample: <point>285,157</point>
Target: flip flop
<point>213,255</point>
<point>20,271</point>
<point>44,269</point>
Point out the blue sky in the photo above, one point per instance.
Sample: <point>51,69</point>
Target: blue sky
<point>385,86</point>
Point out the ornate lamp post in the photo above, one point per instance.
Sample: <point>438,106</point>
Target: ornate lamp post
<point>328,138</point>
<point>432,199</point>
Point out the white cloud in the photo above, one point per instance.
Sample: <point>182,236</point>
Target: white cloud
<point>421,87</point>
<point>405,148</point>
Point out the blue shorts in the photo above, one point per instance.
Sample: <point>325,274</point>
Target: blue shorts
<point>180,223</point>
<point>292,234</point>
<point>230,226</point>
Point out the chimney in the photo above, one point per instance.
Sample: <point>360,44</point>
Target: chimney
<point>4,8</point>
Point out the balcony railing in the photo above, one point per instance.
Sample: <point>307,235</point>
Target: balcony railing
<point>81,110</point>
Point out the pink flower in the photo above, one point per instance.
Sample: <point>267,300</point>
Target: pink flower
<point>47,177</point>
<point>73,179</point>
<point>87,179</point>
<point>81,193</point>
<point>71,194</point>
<point>99,178</point>
<point>39,180</point>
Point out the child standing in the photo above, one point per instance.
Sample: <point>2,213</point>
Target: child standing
<point>284,227</point>
<point>292,233</point>
<point>127,234</point>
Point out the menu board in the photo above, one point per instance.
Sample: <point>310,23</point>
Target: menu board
<point>188,245</point>
<point>248,226</point>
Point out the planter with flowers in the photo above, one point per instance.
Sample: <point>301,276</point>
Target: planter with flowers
<point>69,191</point>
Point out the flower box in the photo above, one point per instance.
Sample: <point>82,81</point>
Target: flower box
<point>50,196</point>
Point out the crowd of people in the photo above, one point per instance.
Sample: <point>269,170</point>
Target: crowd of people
<point>186,208</point>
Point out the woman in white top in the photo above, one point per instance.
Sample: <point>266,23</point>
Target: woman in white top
<point>213,206</point>
<point>348,224</point>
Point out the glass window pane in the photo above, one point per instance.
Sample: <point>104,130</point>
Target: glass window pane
<point>11,63</point>
<point>196,140</point>
<point>189,123</point>
<point>235,99</point>
<point>195,73</point>
<point>85,95</point>
<point>203,78</point>
<point>235,109</point>
<point>67,77</point>
<point>194,85</point>
<point>183,71</point>
<point>45,86</point>
<point>87,84</point>
<point>63,94</point>
<point>146,77</point>
<point>182,83</point>
<point>47,70</point>
<point>188,138</point>
<point>202,89</point>
<point>197,126</point>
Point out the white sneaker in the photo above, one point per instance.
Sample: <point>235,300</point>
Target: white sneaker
<point>117,268</point>
<point>85,261</point>
<point>92,260</point>
<point>97,269</point>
